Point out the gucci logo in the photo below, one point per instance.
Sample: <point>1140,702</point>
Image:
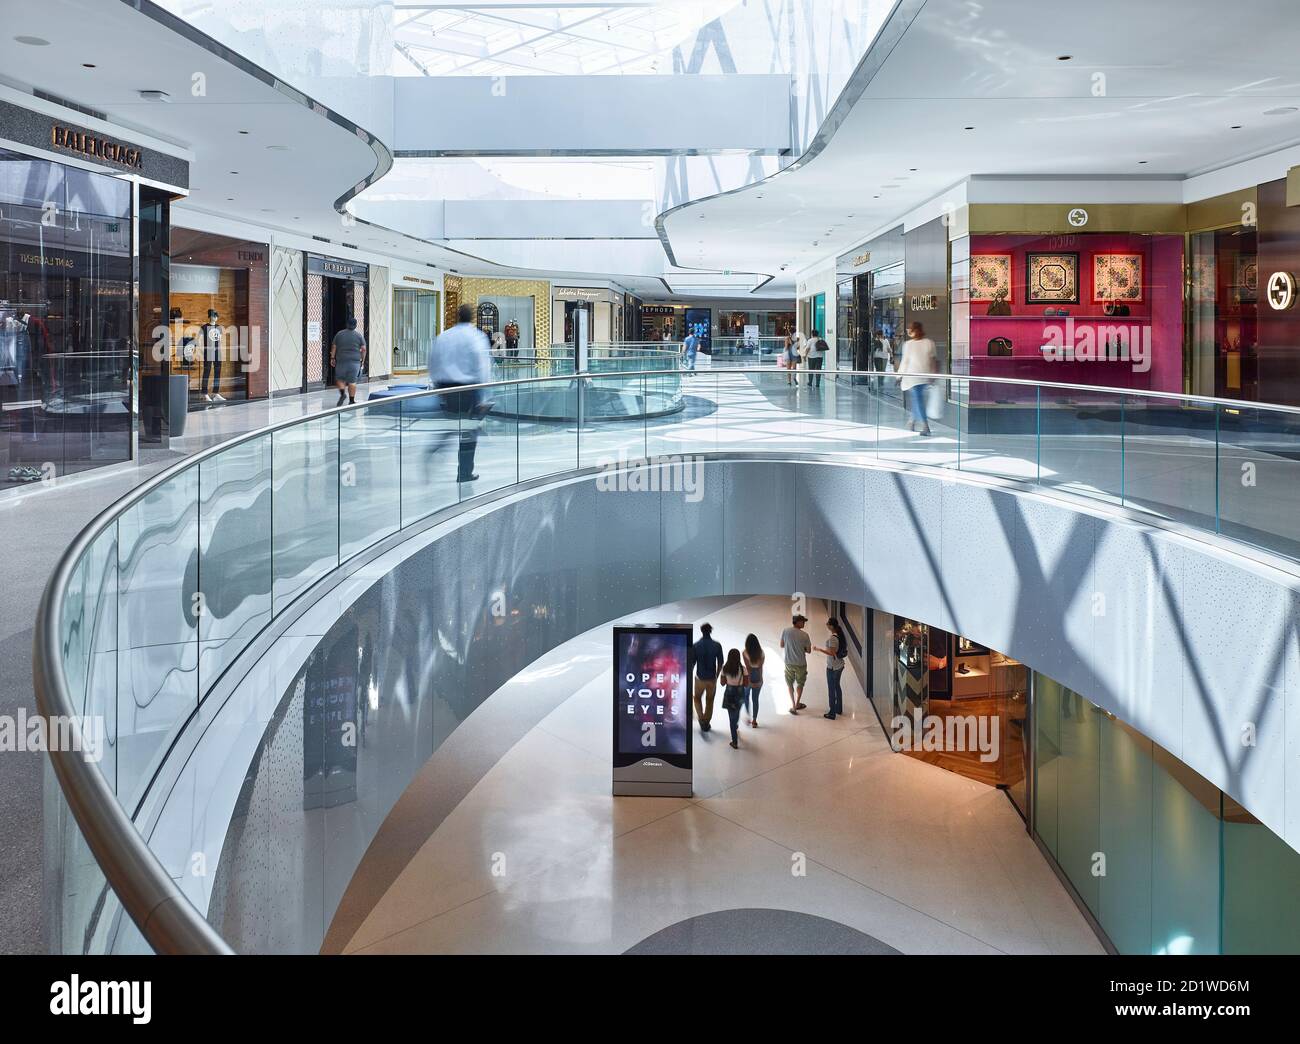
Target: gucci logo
<point>1281,290</point>
<point>1078,217</point>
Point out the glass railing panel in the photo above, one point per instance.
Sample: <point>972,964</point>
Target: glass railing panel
<point>370,475</point>
<point>1081,442</point>
<point>614,423</point>
<point>1170,458</point>
<point>1259,476</point>
<point>919,424</point>
<point>999,429</point>
<point>429,439</point>
<point>159,602</point>
<point>304,506</point>
<point>548,429</point>
<point>489,441</point>
<point>234,553</point>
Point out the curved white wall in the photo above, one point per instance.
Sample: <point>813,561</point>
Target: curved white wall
<point>1186,641</point>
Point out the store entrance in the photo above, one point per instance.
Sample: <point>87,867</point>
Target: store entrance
<point>336,292</point>
<point>337,310</point>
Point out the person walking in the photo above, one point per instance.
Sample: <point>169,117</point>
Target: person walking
<point>690,346</point>
<point>459,357</point>
<point>919,357</point>
<point>347,357</point>
<point>708,661</point>
<point>817,350</point>
<point>733,698</point>
<point>753,656</point>
<point>834,650</point>
<point>790,360</point>
<point>797,646</point>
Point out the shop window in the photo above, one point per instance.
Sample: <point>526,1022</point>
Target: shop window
<point>218,307</point>
<point>65,320</point>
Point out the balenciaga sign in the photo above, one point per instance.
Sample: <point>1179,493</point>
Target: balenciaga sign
<point>93,146</point>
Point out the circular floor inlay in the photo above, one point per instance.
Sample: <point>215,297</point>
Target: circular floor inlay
<point>759,931</point>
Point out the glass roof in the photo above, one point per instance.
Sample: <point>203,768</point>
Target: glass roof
<point>516,37</point>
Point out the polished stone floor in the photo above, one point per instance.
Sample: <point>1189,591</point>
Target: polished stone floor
<point>540,858</point>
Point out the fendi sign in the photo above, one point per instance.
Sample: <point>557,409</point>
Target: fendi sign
<point>92,146</point>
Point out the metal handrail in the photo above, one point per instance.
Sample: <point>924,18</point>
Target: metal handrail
<point>166,918</point>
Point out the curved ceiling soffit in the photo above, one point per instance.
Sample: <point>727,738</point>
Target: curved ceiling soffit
<point>886,39</point>
<point>383,154</point>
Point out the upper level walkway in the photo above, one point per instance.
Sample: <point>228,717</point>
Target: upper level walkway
<point>1025,508</point>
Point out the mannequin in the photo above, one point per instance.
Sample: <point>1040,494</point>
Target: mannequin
<point>210,339</point>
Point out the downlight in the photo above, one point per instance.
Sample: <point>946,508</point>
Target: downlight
<point>155,96</point>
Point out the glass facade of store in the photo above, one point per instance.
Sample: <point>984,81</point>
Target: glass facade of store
<point>66,315</point>
<point>219,307</point>
<point>1162,860</point>
<point>415,325</point>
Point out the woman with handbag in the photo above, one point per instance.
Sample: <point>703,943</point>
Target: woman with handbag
<point>733,677</point>
<point>919,357</point>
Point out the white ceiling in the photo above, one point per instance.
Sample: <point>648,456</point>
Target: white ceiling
<point>1175,76</point>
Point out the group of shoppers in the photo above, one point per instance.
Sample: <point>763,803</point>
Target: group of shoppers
<point>740,672</point>
<point>808,354</point>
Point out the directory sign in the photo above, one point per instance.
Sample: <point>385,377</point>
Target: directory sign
<point>652,710</point>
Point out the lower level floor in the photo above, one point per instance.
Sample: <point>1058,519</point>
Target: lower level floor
<point>812,836</point>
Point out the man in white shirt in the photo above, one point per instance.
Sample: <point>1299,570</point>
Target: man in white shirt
<point>817,349</point>
<point>460,357</point>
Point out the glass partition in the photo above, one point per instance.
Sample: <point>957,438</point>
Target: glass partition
<point>166,594</point>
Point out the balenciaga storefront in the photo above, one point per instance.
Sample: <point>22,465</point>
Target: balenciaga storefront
<point>84,231</point>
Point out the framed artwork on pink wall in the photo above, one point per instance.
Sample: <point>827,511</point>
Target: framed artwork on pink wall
<point>1052,278</point>
<point>989,274</point>
<point>1117,277</point>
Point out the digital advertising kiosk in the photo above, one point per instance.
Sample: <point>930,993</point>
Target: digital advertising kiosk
<point>652,710</point>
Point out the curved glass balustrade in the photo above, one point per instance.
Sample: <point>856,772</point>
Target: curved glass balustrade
<point>163,592</point>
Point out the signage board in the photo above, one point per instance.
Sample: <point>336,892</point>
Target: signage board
<point>652,741</point>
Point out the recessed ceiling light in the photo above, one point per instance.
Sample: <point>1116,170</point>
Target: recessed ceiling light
<point>155,95</point>
<point>1235,126</point>
<point>912,169</point>
<point>1141,161</point>
<point>1064,57</point>
<point>277,148</point>
<point>234,172</point>
<point>1281,110</point>
<point>87,65</point>
<point>243,132</point>
<point>32,41</point>
<point>968,128</point>
<point>230,199</point>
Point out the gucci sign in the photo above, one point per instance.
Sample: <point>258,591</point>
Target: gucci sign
<point>1281,290</point>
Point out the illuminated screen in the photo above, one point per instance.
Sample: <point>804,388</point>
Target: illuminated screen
<point>652,692</point>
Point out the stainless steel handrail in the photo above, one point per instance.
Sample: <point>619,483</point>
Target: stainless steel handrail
<point>168,921</point>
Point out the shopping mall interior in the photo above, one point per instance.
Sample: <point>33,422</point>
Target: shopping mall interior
<point>453,508</point>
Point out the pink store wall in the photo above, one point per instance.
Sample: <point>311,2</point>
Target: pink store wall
<point>1160,310</point>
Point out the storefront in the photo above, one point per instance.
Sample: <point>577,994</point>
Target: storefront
<point>604,310</point>
<point>672,322</point>
<point>514,313</point>
<point>417,313</point>
<point>1186,868</point>
<point>869,304</point>
<point>336,292</point>
<point>218,312</point>
<point>83,282</point>
<point>736,324</point>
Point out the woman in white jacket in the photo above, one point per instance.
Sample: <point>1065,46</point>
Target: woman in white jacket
<point>919,357</point>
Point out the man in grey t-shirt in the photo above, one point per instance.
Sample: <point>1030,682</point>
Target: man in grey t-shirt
<point>797,646</point>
